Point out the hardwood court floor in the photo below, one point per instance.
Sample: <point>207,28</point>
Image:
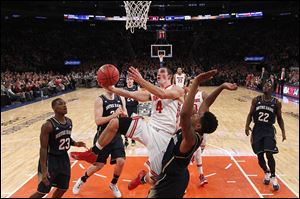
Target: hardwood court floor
<point>20,129</point>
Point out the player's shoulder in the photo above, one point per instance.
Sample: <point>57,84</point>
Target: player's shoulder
<point>98,101</point>
<point>48,124</point>
<point>258,98</point>
<point>68,119</point>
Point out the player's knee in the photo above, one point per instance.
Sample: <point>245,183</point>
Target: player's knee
<point>98,165</point>
<point>120,161</point>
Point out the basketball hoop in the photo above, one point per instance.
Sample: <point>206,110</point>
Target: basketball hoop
<point>137,14</point>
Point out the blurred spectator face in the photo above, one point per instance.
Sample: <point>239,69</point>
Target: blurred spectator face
<point>283,69</point>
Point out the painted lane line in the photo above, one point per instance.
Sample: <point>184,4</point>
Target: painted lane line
<point>292,190</point>
<point>228,166</point>
<point>267,194</point>
<point>21,185</point>
<point>212,174</point>
<point>252,175</point>
<point>243,172</point>
<point>96,174</point>
<point>81,166</point>
<point>124,180</point>
<point>231,181</point>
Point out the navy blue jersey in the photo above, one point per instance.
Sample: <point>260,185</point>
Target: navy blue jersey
<point>131,103</point>
<point>174,162</point>
<point>265,111</point>
<point>60,137</point>
<point>109,107</point>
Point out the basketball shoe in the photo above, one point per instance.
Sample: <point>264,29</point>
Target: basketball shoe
<point>275,183</point>
<point>267,178</point>
<point>77,186</point>
<point>88,156</point>
<point>137,181</point>
<point>203,180</point>
<point>114,188</point>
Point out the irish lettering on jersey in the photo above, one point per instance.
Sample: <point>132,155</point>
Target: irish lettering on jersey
<point>265,111</point>
<point>109,107</point>
<point>60,137</point>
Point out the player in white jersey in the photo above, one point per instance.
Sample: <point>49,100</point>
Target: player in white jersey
<point>199,98</point>
<point>156,133</point>
<point>179,78</point>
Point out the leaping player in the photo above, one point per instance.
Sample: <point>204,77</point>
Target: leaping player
<point>156,133</point>
<point>197,156</point>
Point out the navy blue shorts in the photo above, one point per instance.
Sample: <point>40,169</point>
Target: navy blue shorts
<point>59,171</point>
<point>263,140</point>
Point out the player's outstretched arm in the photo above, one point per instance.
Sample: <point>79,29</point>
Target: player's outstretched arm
<point>188,131</point>
<point>249,117</point>
<point>175,93</point>
<point>213,96</point>
<point>280,120</point>
<point>140,95</point>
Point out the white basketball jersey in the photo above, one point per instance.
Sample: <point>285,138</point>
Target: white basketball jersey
<point>165,113</point>
<point>179,80</point>
<point>198,100</point>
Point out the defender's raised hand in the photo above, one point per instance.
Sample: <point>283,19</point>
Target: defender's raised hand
<point>205,76</point>
<point>230,86</point>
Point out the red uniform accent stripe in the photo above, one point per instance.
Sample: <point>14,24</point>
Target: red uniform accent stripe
<point>133,128</point>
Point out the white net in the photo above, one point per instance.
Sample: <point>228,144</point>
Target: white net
<point>137,14</point>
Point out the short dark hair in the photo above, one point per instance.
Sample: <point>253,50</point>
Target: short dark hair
<point>53,103</point>
<point>209,123</point>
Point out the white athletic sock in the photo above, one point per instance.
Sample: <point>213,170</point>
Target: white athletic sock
<point>199,161</point>
<point>98,146</point>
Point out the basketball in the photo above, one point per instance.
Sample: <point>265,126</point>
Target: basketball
<point>107,75</point>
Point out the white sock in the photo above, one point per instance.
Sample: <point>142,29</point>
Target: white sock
<point>199,161</point>
<point>98,146</point>
<point>200,169</point>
